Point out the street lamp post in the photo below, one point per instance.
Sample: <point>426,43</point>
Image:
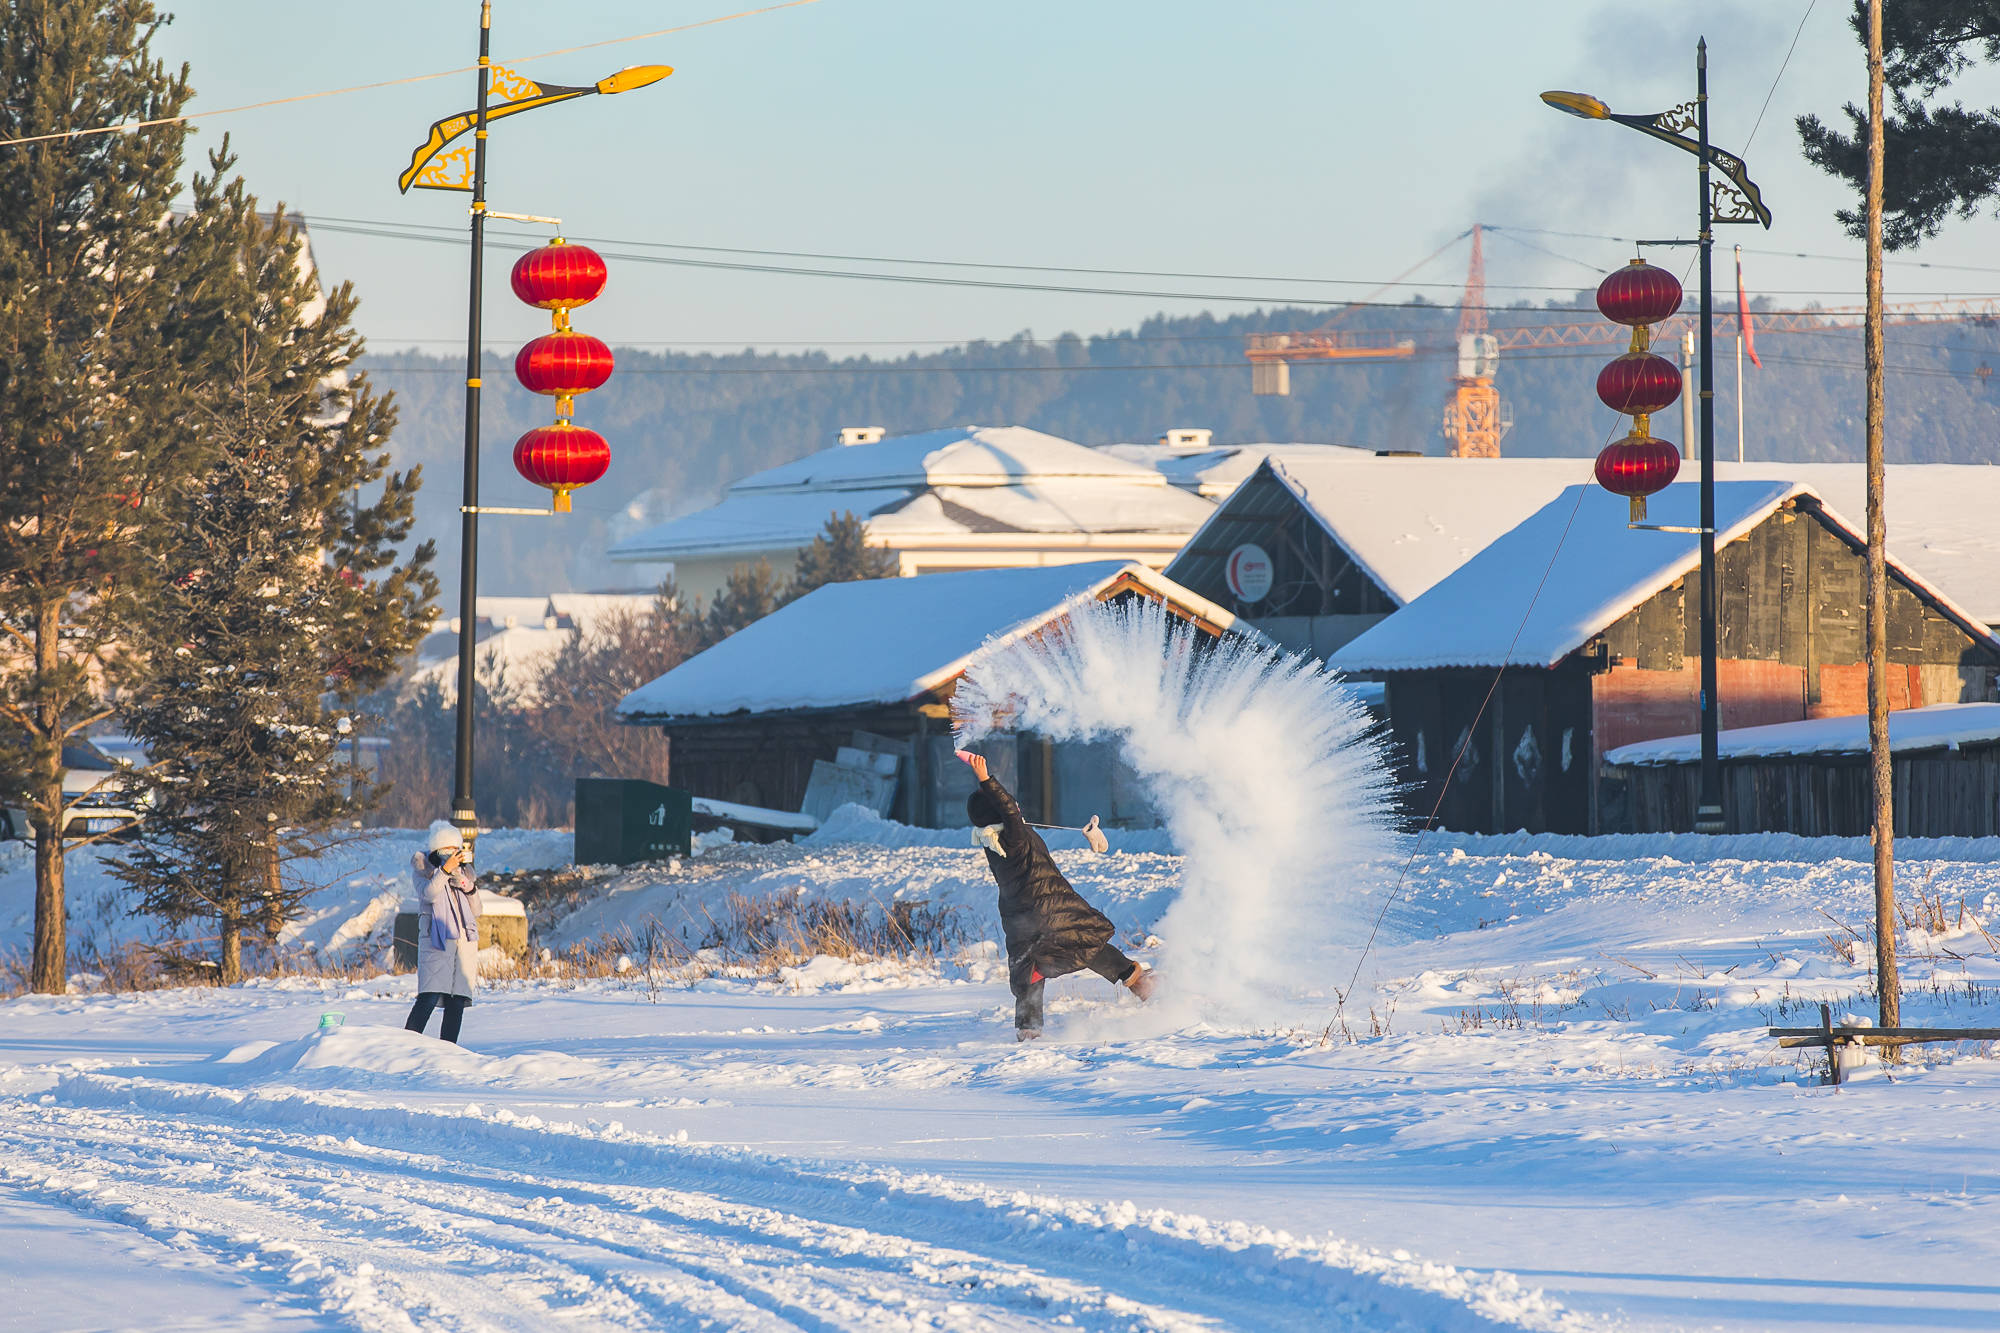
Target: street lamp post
<point>1732,199</point>
<point>462,812</point>
<point>437,166</point>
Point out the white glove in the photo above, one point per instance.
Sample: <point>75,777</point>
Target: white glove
<point>988,836</point>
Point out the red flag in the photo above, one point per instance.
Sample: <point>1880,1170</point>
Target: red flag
<point>1743,315</point>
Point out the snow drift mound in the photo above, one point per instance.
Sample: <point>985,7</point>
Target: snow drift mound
<point>1266,770</point>
<point>367,1056</point>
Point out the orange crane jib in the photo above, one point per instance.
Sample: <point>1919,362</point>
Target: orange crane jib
<point>1343,346</point>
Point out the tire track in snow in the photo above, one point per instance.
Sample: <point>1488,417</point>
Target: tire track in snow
<point>342,1200</point>
<point>741,1239</point>
<point>429,1222</point>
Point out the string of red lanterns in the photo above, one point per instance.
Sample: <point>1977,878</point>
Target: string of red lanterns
<point>1639,383</point>
<point>561,364</point>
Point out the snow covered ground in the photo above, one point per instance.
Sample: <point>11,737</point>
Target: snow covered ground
<point>1550,1104</point>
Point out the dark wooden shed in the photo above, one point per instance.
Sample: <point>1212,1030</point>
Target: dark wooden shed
<point>1576,634</point>
<point>877,663</point>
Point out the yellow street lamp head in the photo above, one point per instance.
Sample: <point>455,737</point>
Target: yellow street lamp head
<point>633,76</point>
<point>1581,105</point>
<point>432,168</point>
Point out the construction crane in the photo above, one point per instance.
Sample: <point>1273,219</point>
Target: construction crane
<point>1477,419</point>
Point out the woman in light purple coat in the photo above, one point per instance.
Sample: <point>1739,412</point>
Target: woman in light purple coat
<point>447,932</point>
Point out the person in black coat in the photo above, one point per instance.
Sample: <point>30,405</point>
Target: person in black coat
<point>1051,931</point>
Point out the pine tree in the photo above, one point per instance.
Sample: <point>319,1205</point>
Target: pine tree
<point>749,594</point>
<point>96,345</point>
<point>1939,160</point>
<point>841,554</point>
<point>282,599</point>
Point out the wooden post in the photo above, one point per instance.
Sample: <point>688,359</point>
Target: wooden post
<point>1832,1051</point>
<point>1888,986</point>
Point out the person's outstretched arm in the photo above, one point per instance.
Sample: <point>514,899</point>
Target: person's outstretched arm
<point>1018,836</point>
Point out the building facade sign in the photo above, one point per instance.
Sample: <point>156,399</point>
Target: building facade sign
<point>1249,573</point>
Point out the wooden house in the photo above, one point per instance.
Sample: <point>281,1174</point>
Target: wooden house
<point>876,663</point>
<point>1348,537</point>
<point>1574,634</point>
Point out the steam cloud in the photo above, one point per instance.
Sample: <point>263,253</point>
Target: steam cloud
<point>1265,771</point>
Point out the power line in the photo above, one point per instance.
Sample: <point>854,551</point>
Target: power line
<point>397,231</point>
<point>133,126</point>
<point>1757,250</point>
<point>1429,355</point>
<point>371,226</point>
<point>1782,67</point>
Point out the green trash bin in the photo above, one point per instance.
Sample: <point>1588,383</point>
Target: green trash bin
<point>622,820</point>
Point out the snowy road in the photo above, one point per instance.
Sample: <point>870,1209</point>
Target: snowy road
<point>1559,1110</point>
<point>406,1221</point>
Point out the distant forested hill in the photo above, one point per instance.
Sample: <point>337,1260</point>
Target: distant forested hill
<point>683,426</point>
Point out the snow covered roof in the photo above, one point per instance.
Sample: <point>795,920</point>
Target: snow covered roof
<point>1217,471</point>
<point>1939,726</point>
<point>958,456</point>
<point>885,640</point>
<point>1410,521</point>
<point>506,662</point>
<point>1405,522</point>
<point>1569,571</point>
<point>587,610</point>
<point>937,486</point>
<point>507,612</point>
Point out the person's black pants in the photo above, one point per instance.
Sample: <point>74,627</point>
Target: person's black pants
<point>454,1013</point>
<point>1107,962</point>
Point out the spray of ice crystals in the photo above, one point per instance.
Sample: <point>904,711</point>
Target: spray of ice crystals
<point>1264,769</point>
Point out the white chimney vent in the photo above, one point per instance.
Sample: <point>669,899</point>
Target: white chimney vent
<point>861,434</point>
<point>1187,439</point>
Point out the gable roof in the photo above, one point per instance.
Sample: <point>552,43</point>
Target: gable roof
<point>1408,522</point>
<point>1405,522</point>
<point>939,485</point>
<point>1570,570</point>
<point>1216,471</point>
<point>956,456</point>
<point>884,641</point>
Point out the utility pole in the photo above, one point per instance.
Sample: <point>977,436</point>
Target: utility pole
<point>463,814</point>
<point>1708,802</point>
<point>1888,986</point>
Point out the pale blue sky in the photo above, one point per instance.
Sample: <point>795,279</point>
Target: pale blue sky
<point>1275,137</point>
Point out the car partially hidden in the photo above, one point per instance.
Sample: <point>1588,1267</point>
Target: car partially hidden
<point>99,794</point>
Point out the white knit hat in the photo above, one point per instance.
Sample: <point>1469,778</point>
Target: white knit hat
<point>444,836</point>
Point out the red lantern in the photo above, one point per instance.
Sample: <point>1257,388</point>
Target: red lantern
<point>562,457</point>
<point>1636,467</point>
<point>1639,384</point>
<point>559,277</point>
<point>1639,294</point>
<point>563,364</point>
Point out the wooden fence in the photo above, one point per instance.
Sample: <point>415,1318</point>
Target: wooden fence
<point>1938,794</point>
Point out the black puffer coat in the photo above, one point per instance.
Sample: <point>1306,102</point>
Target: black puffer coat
<point>1050,929</point>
